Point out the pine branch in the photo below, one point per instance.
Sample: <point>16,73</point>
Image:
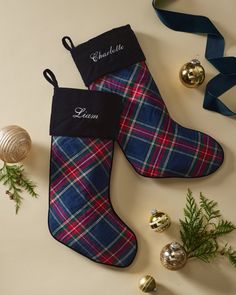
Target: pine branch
<point>192,225</point>
<point>206,251</point>
<point>29,186</point>
<point>232,256</point>
<point>223,227</point>
<point>209,208</point>
<point>13,177</point>
<point>230,253</point>
<point>201,228</point>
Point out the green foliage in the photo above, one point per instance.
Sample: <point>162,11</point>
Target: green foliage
<point>13,177</point>
<point>209,207</point>
<point>201,228</point>
<point>223,227</point>
<point>205,251</point>
<point>231,254</point>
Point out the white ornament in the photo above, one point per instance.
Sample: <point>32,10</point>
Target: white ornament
<point>15,144</point>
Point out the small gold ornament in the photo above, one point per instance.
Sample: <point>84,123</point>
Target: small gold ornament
<point>173,256</point>
<point>192,74</point>
<point>159,221</point>
<point>15,144</point>
<point>147,284</point>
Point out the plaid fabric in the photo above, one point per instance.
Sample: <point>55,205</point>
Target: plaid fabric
<point>153,143</point>
<point>80,213</point>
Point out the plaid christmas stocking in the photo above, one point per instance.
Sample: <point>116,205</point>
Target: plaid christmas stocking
<point>154,144</point>
<point>83,127</point>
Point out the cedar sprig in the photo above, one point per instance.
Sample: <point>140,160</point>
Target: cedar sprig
<point>230,253</point>
<point>13,177</point>
<point>201,228</point>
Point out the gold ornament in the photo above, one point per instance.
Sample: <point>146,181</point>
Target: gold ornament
<point>173,256</point>
<point>15,144</point>
<point>147,284</point>
<point>159,221</point>
<point>192,74</point>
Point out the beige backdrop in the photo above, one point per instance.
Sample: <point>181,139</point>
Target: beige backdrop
<point>31,261</point>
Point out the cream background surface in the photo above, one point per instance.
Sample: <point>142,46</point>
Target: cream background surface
<point>31,261</point>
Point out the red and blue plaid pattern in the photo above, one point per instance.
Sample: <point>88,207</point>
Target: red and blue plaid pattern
<point>153,143</point>
<point>80,212</point>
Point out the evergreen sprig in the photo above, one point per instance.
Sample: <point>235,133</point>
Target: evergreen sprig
<point>201,228</point>
<point>230,253</point>
<point>13,177</point>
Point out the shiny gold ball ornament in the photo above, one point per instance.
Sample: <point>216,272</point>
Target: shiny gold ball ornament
<point>15,144</point>
<point>192,74</point>
<point>147,284</point>
<point>159,221</point>
<point>173,256</point>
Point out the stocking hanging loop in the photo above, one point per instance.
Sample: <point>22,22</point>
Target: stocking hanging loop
<point>68,43</point>
<point>50,77</point>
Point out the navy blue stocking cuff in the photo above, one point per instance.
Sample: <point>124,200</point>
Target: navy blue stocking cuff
<point>106,53</point>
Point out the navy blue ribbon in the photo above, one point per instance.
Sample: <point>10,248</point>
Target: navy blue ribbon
<point>214,53</point>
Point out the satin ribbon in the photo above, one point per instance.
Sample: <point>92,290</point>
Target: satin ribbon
<point>214,53</point>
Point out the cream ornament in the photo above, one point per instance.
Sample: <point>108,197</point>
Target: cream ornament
<point>15,144</point>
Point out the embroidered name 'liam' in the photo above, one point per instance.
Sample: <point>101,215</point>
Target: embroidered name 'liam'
<point>82,113</point>
<point>96,56</point>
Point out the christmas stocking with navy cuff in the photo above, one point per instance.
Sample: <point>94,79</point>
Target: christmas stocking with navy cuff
<point>154,144</point>
<point>83,127</point>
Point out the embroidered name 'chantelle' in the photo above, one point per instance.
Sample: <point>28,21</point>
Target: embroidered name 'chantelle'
<point>82,113</point>
<point>96,56</point>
